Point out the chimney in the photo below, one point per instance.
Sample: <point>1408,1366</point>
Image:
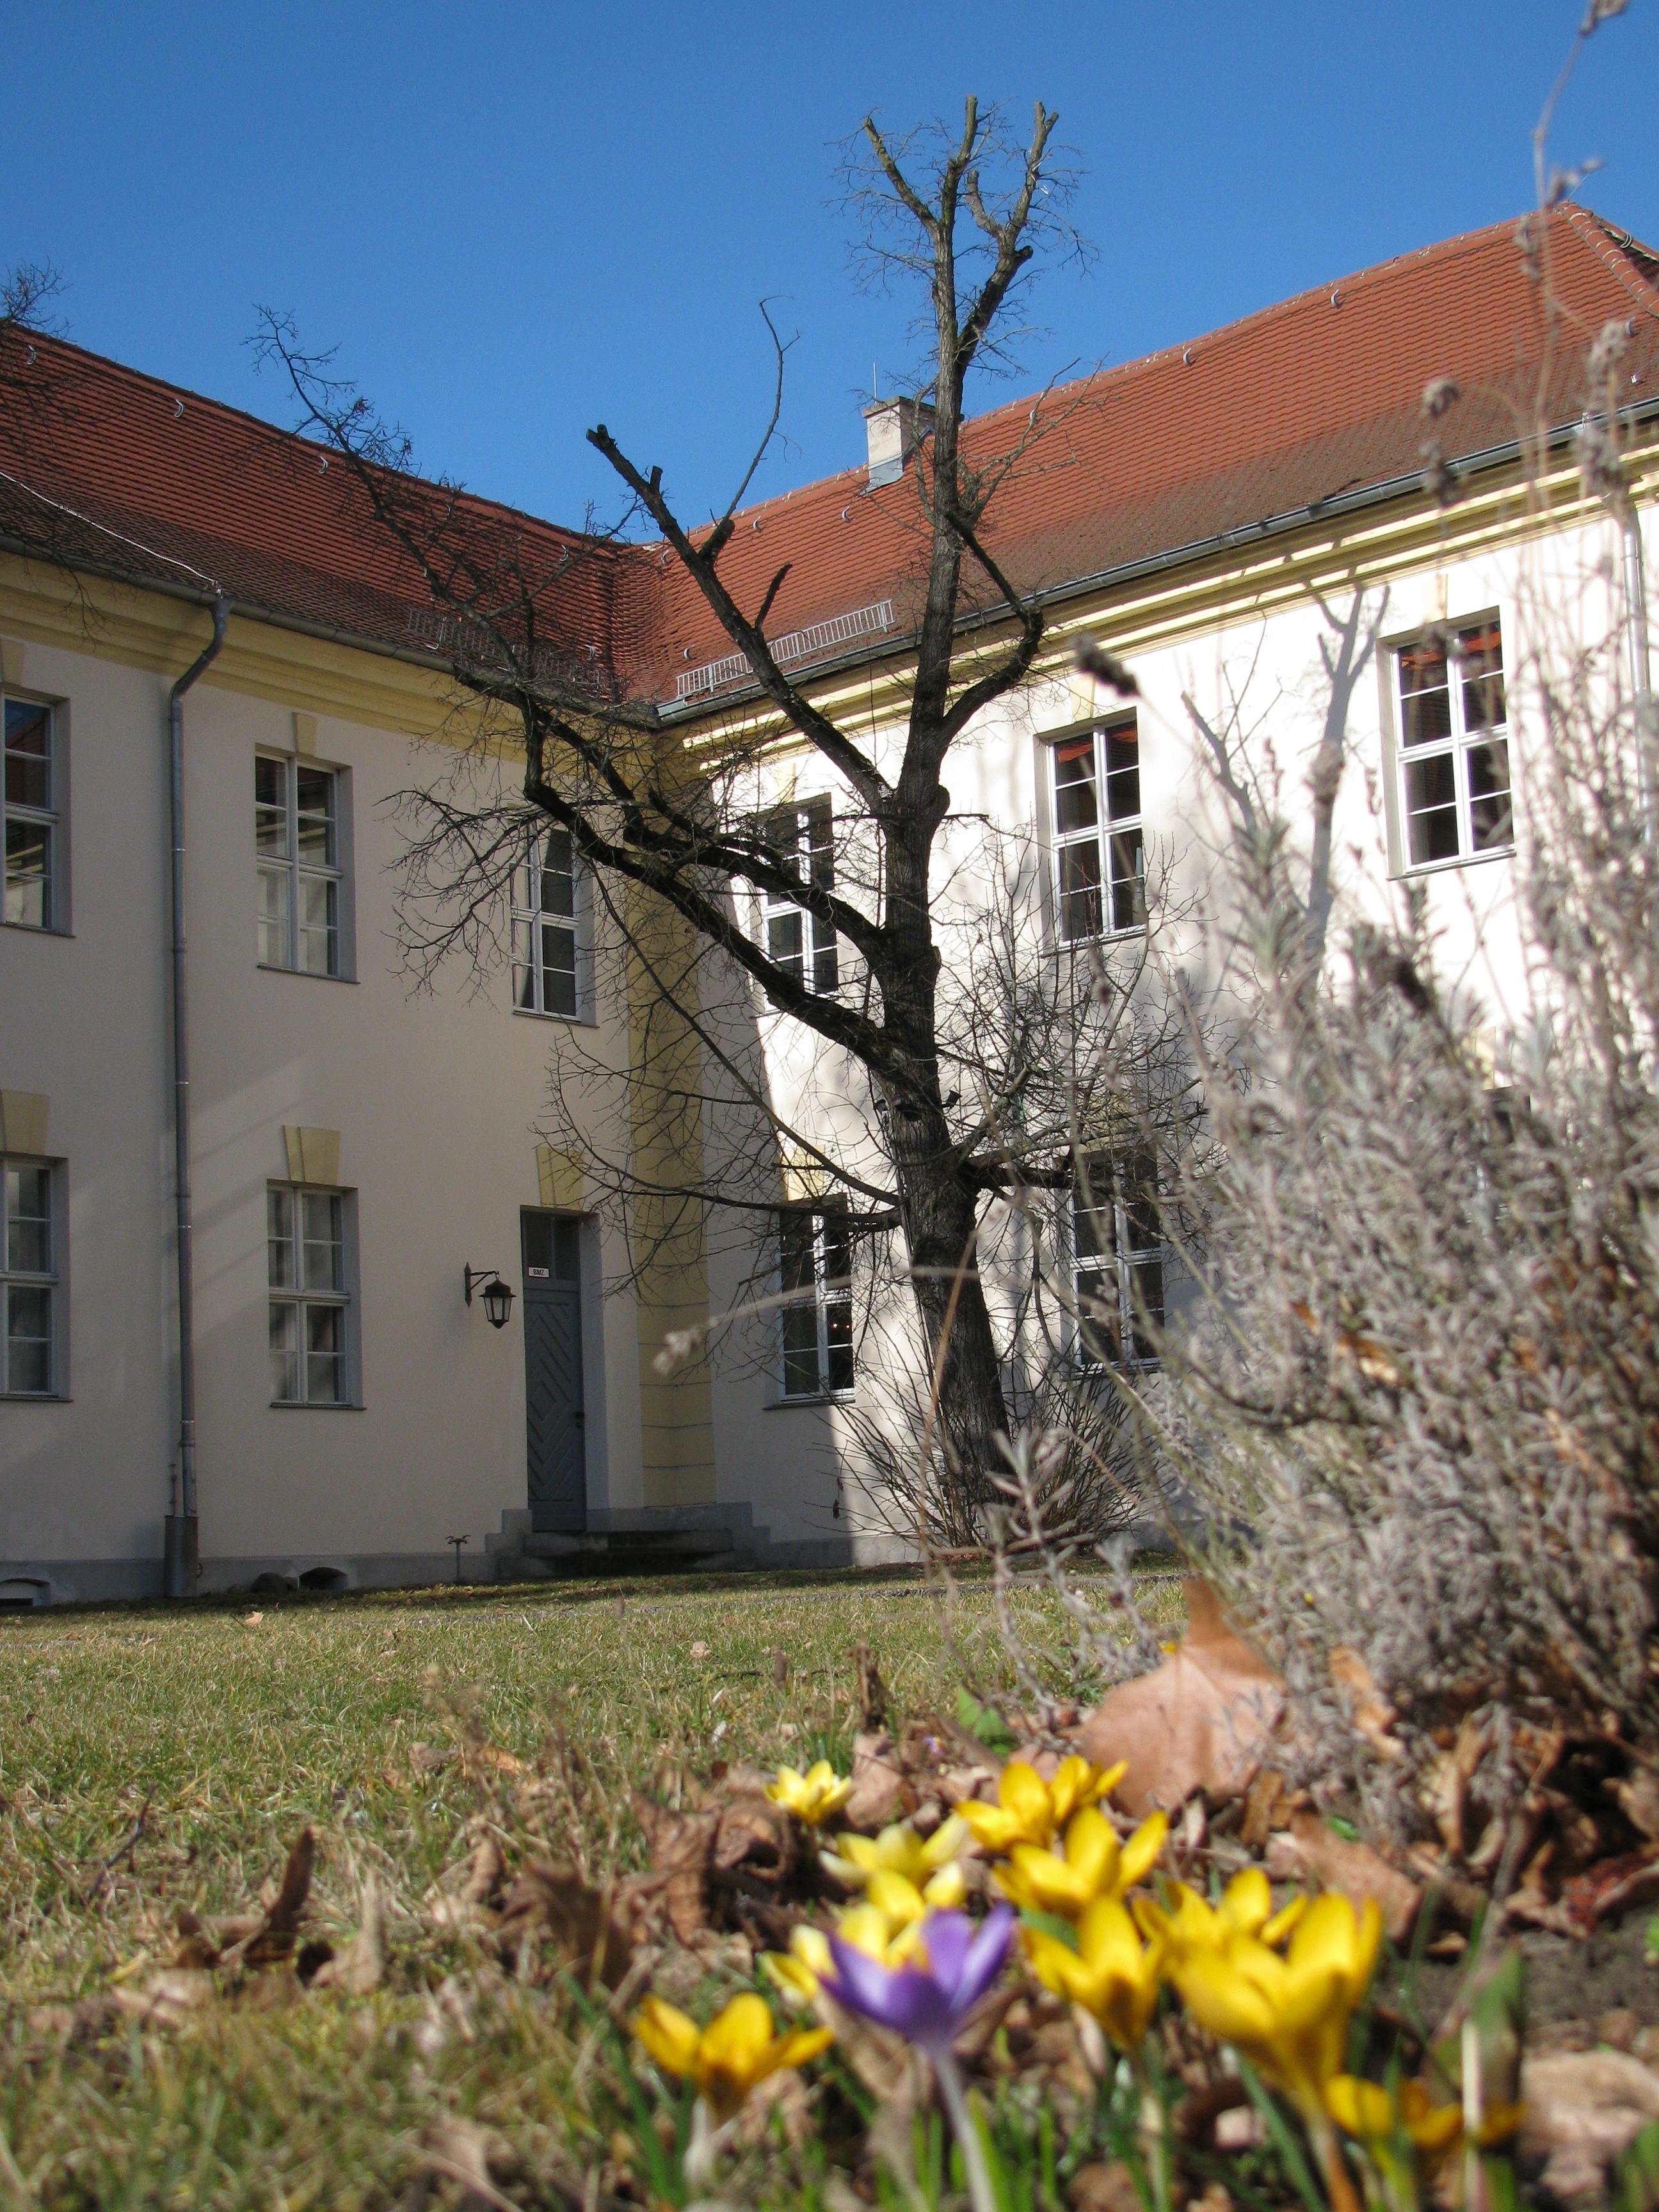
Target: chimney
<point>895,428</point>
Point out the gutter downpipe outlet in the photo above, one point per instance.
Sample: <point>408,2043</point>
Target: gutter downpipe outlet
<point>180,1553</point>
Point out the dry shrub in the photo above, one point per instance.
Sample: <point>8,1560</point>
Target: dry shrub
<point>1417,1394</point>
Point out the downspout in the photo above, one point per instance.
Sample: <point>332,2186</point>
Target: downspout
<point>180,1550</point>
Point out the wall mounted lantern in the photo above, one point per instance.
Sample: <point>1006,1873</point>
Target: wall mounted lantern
<point>497,1297</point>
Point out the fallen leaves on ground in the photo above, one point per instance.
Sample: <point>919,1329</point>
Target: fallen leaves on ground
<point>1202,1720</point>
<point>1582,2109</point>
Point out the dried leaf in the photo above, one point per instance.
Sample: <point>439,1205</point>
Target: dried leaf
<point>879,1787</point>
<point>165,1999</point>
<point>1103,2187</point>
<point>1582,2109</point>
<point>1200,1721</point>
<point>680,1844</point>
<point>588,1929</point>
<point>457,2149</point>
<point>360,1966</point>
<point>1311,1848</point>
<point>1638,1797</point>
<point>872,1690</point>
<point>1264,1808</point>
<point>1445,1791</point>
<point>1372,1713</point>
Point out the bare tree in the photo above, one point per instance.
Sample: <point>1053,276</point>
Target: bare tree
<point>674,842</point>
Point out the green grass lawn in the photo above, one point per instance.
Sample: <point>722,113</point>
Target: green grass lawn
<point>151,1760</point>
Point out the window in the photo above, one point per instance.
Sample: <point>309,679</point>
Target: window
<point>1118,1256</point>
<point>28,803</point>
<point>28,1281</point>
<point>305,1244</point>
<point>803,838</point>
<point>815,1265</point>
<point>297,812</point>
<point>1454,745</point>
<point>544,970</point>
<point>1099,854</point>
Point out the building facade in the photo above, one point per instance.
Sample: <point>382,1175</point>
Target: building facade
<point>374,1153</point>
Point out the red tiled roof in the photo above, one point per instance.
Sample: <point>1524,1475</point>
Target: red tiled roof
<point>1316,397</point>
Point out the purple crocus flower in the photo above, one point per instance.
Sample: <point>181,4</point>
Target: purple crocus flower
<point>926,2005</point>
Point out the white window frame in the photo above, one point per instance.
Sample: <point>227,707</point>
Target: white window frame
<point>1116,835</point>
<point>17,1277</point>
<point>1461,745</point>
<point>302,1297</point>
<point>1115,1278</point>
<point>282,926</point>
<point>46,819</point>
<point>827,1298</point>
<point>803,832</point>
<point>531,918</point>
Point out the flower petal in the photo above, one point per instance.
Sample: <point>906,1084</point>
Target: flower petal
<point>985,1959</point>
<point>1023,1793</point>
<point>1143,1849</point>
<point>670,2035</point>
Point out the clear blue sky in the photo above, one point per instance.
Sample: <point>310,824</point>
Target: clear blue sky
<point>516,220</point>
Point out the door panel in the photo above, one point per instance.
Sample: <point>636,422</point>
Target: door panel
<point>553,1418</point>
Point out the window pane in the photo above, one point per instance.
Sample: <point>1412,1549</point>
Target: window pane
<point>320,1231</point>
<point>784,943</point>
<point>1482,645</point>
<point>821,841</point>
<point>1076,804</point>
<point>273,917</point>
<point>284,1273</point>
<point>826,963</point>
<point>318,925</point>
<point>1431,804</point>
<point>1137,1186</point>
<point>1424,699</point>
<point>800,1351</point>
<point>837,1247</point>
<point>1128,886</point>
<point>28,754</point>
<point>28,1220</point>
<point>524,966</point>
<point>558,874</point>
<point>1079,890</point>
<point>285,1353</point>
<point>270,807</point>
<point>795,1251</point>
<point>324,1355</point>
<point>1146,1286</point>
<point>1098,1305</point>
<point>838,1330</point>
<point>558,969</point>
<point>28,873</point>
<point>566,1264</point>
<point>1122,772</point>
<point>314,809</point>
<point>1491,821</point>
<point>28,1338</point>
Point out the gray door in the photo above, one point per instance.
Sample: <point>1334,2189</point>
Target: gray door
<point>554,1418</point>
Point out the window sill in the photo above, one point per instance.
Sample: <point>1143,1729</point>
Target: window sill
<point>1459,861</point>
<point>36,1398</point>
<point>307,974</point>
<point>814,1398</point>
<point>570,1021</point>
<point>33,929</point>
<point>1101,936</point>
<point>309,1406</point>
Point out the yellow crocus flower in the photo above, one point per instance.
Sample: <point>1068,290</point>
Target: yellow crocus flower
<point>1109,1974</point>
<point>1091,1864</point>
<point>812,1796</point>
<point>1246,1909</point>
<point>1289,2016</point>
<point>1368,2113</point>
<point>1029,1810</point>
<point>729,2057</point>
<point>798,1971</point>
<point>898,1850</point>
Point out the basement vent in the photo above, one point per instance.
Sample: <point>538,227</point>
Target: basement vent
<point>798,645</point>
<point>22,1593</point>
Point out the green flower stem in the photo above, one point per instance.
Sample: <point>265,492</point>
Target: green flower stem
<point>981,2188</point>
<point>1154,2129</point>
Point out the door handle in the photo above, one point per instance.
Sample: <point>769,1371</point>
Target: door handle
<point>579,1419</point>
